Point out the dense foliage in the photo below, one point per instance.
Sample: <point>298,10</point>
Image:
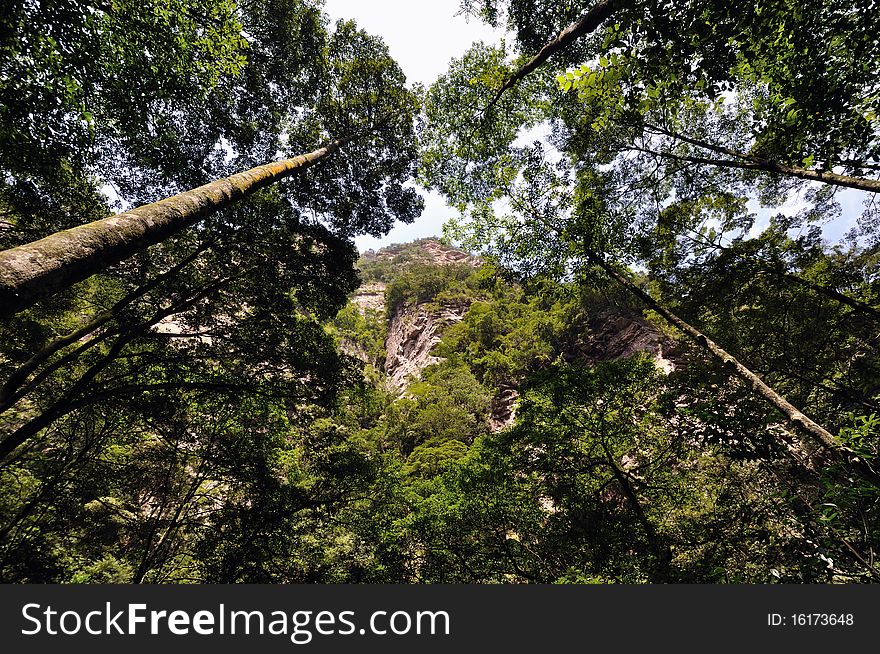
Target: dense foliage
<point>145,408</point>
<point>611,470</point>
<point>672,298</point>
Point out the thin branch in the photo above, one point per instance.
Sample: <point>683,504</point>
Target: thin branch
<point>751,162</point>
<point>20,375</point>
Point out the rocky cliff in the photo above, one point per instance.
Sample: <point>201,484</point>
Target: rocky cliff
<point>611,335</point>
<point>413,332</point>
<point>415,328</point>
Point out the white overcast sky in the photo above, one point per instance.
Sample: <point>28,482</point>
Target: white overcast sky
<point>422,36</point>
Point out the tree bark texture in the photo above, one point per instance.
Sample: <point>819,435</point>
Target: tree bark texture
<point>36,270</point>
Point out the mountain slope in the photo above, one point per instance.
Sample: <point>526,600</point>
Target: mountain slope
<point>431,286</point>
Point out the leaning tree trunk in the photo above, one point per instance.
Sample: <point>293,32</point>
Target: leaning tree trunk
<point>831,449</point>
<point>39,269</point>
<point>821,435</point>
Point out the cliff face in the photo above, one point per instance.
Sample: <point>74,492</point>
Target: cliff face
<point>412,334</point>
<point>426,250</point>
<point>370,296</point>
<point>503,410</point>
<point>396,258</point>
<point>415,328</point>
<point>608,336</point>
<point>612,335</point>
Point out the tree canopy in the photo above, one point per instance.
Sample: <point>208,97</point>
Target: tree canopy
<point>656,362</point>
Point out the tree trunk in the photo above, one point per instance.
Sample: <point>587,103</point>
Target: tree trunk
<point>834,294</point>
<point>833,451</point>
<point>750,162</point>
<point>41,268</point>
<point>826,177</point>
<point>779,270</point>
<point>821,435</point>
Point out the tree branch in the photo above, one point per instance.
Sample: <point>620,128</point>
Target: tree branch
<point>751,162</point>
<point>586,24</point>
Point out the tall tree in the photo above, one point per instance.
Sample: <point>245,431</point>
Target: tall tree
<point>147,406</point>
<point>360,96</point>
<point>34,270</point>
<point>654,55</point>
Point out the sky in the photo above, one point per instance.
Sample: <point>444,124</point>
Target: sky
<point>422,36</point>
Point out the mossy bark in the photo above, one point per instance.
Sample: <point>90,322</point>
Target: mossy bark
<point>39,269</point>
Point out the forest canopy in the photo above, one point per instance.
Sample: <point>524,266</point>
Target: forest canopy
<point>651,355</point>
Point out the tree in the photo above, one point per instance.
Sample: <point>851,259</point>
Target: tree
<point>41,268</point>
<point>628,81</point>
<point>772,52</point>
<point>364,101</point>
<point>74,70</point>
<point>661,81</point>
<point>148,403</point>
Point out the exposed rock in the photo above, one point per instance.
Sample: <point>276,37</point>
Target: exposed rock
<point>429,251</point>
<point>426,250</point>
<point>415,330</point>
<point>446,256</point>
<point>412,334</point>
<point>503,410</point>
<point>612,335</point>
<point>356,350</point>
<point>370,296</point>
